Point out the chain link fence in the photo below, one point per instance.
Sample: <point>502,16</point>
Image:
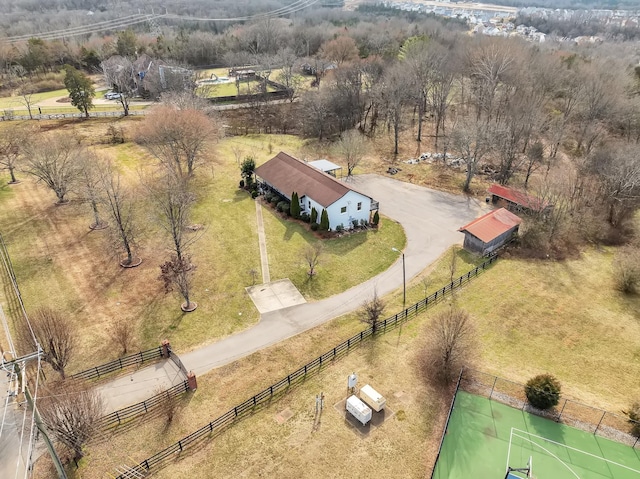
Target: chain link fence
<point>616,427</point>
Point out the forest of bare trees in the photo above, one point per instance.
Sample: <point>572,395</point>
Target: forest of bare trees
<point>557,118</point>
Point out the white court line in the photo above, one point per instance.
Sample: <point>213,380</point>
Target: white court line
<point>550,453</point>
<point>576,450</point>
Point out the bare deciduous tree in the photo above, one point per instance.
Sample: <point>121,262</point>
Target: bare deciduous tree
<point>351,146</point>
<point>371,311</point>
<point>312,255</point>
<point>450,345</point>
<point>177,274</point>
<point>26,98</point>
<point>55,160</point>
<point>119,74</point>
<point>90,182</point>
<point>71,410</point>
<point>119,203</point>
<point>177,138</point>
<point>122,334</point>
<point>54,333</point>
<point>340,50</point>
<point>174,201</point>
<point>471,140</point>
<point>168,404</point>
<point>12,144</point>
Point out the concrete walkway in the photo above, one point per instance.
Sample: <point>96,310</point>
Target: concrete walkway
<point>262,240</point>
<point>430,220</point>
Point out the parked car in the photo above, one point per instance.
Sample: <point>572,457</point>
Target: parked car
<point>112,95</point>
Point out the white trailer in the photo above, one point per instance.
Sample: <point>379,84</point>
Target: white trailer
<point>373,398</point>
<point>359,410</point>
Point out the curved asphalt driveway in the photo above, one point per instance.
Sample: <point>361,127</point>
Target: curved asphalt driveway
<point>430,220</point>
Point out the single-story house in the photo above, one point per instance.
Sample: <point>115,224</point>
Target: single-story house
<point>517,201</point>
<point>491,231</point>
<point>285,174</point>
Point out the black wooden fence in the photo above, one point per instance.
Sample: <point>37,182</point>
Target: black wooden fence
<point>128,413</point>
<point>120,363</point>
<point>264,397</point>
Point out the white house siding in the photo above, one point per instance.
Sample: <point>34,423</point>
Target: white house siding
<point>350,200</point>
<point>305,208</point>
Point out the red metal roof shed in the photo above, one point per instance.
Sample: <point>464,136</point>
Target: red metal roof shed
<point>488,227</point>
<point>518,197</point>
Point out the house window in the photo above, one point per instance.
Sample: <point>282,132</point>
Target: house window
<point>359,205</point>
<point>309,204</point>
<point>343,210</point>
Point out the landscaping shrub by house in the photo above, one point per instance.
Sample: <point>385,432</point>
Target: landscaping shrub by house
<point>543,391</point>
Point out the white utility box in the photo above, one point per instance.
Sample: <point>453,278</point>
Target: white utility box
<point>359,410</point>
<point>373,398</point>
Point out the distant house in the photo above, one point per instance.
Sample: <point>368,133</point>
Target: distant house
<point>491,231</point>
<point>517,201</point>
<point>285,174</point>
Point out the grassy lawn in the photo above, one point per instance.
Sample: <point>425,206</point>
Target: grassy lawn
<point>345,261</point>
<point>15,101</point>
<point>230,89</point>
<point>57,258</point>
<point>504,301</point>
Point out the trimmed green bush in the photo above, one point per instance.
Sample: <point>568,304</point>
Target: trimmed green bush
<point>254,194</point>
<point>274,199</point>
<point>314,226</point>
<point>305,217</point>
<point>241,183</point>
<point>376,219</point>
<point>314,215</point>
<point>324,221</point>
<point>340,228</point>
<point>283,206</point>
<point>295,205</point>
<point>543,391</point>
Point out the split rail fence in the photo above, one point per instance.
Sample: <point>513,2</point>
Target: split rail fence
<point>264,397</point>
<point>120,363</point>
<point>128,413</point>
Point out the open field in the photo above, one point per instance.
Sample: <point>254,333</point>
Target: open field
<point>516,290</point>
<point>56,256</point>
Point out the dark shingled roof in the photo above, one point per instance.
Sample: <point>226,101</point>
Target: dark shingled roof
<point>493,224</point>
<point>288,174</point>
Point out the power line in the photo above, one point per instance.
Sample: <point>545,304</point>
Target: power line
<point>292,8</point>
<point>130,20</point>
<point>71,29</point>
<point>88,29</point>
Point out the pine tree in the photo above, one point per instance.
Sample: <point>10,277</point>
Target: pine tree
<point>295,205</point>
<point>80,89</point>
<point>314,215</point>
<point>324,221</point>
<point>376,218</point>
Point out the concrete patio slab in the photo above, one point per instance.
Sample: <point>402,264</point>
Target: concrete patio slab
<point>275,295</point>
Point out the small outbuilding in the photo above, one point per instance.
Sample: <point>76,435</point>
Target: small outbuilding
<point>491,231</point>
<point>517,201</point>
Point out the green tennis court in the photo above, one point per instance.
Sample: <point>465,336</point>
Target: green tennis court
<point>485,437</point>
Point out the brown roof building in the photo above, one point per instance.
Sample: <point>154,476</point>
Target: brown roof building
<point>491,231</point>
<point>316,189</point>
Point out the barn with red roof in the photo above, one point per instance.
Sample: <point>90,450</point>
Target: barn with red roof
<point>491,231</point>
